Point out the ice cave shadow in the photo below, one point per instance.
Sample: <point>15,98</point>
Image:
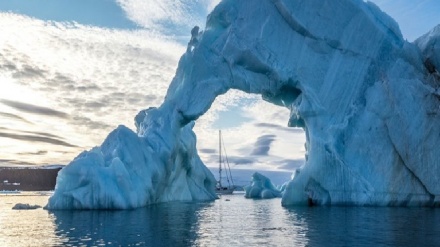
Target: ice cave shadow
<point>164,224</point>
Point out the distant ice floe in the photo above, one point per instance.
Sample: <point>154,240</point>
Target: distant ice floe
<point>25,206</point>
<point>261,188</point>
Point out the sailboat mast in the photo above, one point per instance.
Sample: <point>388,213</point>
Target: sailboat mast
<point>220,158</point>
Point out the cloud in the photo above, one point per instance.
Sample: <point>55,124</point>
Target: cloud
<point>290,164</point>
<point>30,132</point>
<point>33,108</point>
<point>269,125</point>
<point>279,127</point>
<point>262,146</point>
<point>27,71</point>
<point>207,150</point>
<point>232,160</point>
<point>89,123</point>
<point>168,16</point>
<point>14,116</point>
<point>41,152</point>
<point>43,134</point>
<point>241,160</point>
<point>12,162</point>
<point>36,138</point>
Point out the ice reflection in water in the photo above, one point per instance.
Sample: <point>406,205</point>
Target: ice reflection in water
<point>169,224</point>
<point>369,226</point>
<point>233,222</point>
<point>229,221</point>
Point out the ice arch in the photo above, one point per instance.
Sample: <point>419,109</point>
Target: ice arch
<point>369,107</point>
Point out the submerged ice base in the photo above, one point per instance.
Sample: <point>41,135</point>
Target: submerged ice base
<point>368,100</point>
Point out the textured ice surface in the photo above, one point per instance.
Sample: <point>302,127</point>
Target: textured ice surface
<point>429,44</point>
<point>261,188</point>
<point>367,100</point>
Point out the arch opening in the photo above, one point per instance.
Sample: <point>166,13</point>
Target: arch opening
<point>257,138</point>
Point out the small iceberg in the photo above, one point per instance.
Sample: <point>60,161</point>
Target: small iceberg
<point>25,206</point>
<point>262,188</point>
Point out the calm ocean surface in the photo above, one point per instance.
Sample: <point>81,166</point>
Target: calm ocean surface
<point>229,221</point>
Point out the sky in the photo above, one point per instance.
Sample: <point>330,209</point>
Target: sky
<point>72,71</point>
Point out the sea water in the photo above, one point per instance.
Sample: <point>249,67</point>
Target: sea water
<point>231,220</point>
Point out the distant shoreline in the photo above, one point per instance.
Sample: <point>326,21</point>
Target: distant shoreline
<point>28,179</point>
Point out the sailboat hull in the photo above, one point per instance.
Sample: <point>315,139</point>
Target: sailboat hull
<point>224,190</point>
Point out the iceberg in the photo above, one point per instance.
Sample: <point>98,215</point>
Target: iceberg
<point>366,98</point>
<point>132,170</point>
<point>25,206</point>
<point>261,188</point>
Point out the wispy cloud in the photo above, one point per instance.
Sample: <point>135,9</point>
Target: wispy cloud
<point>14,116</point>
<point>41,152</point>
<point>279,127</point>
<point>262,146</point>
<point>12,162</point>
<point>175,17</point>
<point>45,134</point>
<point>36,138</point>
<point>207,150</point>
<point>241,161</point>
<point>291,164</point>
<point>33,108</point>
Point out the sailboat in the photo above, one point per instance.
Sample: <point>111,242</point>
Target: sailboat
<point>223,166</point>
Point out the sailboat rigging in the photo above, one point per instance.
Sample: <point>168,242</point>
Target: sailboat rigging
<point>224,165</point>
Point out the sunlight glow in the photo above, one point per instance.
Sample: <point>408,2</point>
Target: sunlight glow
<point>11,90</point>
